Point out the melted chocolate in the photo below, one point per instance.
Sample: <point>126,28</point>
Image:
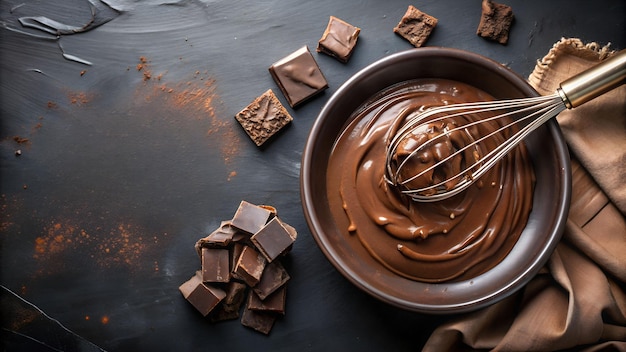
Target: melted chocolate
<point>454,239</point>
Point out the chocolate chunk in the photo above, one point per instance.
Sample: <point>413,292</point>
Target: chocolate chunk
<point>250,218</point>
<point>415,26</point>
<point>274,277</point>
<point>258,320</point>
<point>219,238</point>
<point>249,267</point>
<point>274,303</point>
<point>215,265</point>
<point>338,39</point>
<point>263,118</point>
<point>273,239</point>
<point>228,308</point>
<point>495,21</point>
<point>203,297</point>
<point>298,76</point>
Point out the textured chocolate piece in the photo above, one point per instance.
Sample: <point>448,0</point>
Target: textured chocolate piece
<point>229,307</point>
<point>298,76</point>
<point>263,118</point>
<point>250,218</point>
<point>338,39</point>
<point>249,267</point>
<point>415,26</point>
<point>258,320</point>
<point>273,239</point>
<point>274,303</point>
<point>495,21</point>
<point>203,297</point>
<point>220,238</point>
<point>215,265</point>
<point>274,277</point>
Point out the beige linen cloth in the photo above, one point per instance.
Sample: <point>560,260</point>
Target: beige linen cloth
<point>578,301</point>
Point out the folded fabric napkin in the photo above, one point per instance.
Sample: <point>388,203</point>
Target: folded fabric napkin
<point>578,300</point>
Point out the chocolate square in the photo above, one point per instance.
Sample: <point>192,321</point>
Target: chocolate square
<point>495,21</point>
<point>273,239</point>
<point>203,297</point>
<point>258,320</point>
<point>298,76</point>
<point>220,238</point>
<point>338,39</point>
<point>228,308</point>
<point>263,118</point>
<point>415,26</point>
<point>274,276</point>
<point>215,265</point>
<point>274,303</point>
<point>250,266</point>
<point>250,218</point>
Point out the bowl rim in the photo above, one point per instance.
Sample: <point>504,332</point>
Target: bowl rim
<point>322,241</point>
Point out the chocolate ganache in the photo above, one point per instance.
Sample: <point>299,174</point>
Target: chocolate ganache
<point>453,239</point>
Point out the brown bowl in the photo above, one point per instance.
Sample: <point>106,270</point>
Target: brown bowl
<point>543,230</point>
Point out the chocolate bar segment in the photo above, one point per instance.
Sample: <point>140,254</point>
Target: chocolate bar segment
<point>415,26</point>
<point>274,303</point>
<point>495,21</point>
<point>215,265</point>
<point>258,320</point>
<point>273,239</point>
<point>250,218</point>
<point>263,118</point>
<point>274,277</point>
<point>338,39</point>
<point>203,297</point>
<point>229,307</point>
<point>249,267</point>
<point>298,76</point>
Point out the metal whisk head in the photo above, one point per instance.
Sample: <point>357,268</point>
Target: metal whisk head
<point>438,153</point>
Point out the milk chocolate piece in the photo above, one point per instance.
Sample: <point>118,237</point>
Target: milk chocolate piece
<point>273,239</point>
<point>249,267</point>
<point>415,26</point>
<point>215,265</point>
<point>250,218</point>
<point>258,320</point>
<point>495,21</point>
<point>298,76</point>
<point>274,277</point>
<point>203,297</point>
<point>229,307</point>
<point>263,118</point>
<point>338,39</point>
<point>274,303</point>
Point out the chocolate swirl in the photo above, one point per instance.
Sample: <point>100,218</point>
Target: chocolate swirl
<point>454,239</point>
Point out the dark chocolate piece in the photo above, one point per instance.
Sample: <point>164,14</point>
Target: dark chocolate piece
<point>274,277</point>
<point>263,118</point>
<point>249,267</point>
<point>495,21</point>
<point>203,297</point>
<point>228,308</point>
<point>258,320</point>
<point>274,303</point>
<point>298,76</point>
<point>250,218</point>
<point>219,238</point>
<point>273,239</point>
<point>215,265</point>
<point>338,39</point>
<point>415,26</point>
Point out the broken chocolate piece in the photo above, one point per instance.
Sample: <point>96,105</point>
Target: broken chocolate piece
<point>298,76</point>
<point>258,320</point>
<point>215,265</point>
<point>250,218</point>
<point>415,26</point>
<point>263,118</point>
<point>274,277</point>
<point>219,238</point>
<point>274,303</point>
<point>228,308</point>
<point>495,21</point>
<point>249,267</point>
<point>338,39</point>
<point>203,297</point>
<point>273,239</point>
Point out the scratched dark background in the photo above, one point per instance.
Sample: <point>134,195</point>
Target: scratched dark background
<point>122,115</point>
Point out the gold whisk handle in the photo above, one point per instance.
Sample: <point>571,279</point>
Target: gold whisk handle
<point>595,81</point>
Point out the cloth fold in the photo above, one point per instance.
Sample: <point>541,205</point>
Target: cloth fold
<point>578,301</point>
